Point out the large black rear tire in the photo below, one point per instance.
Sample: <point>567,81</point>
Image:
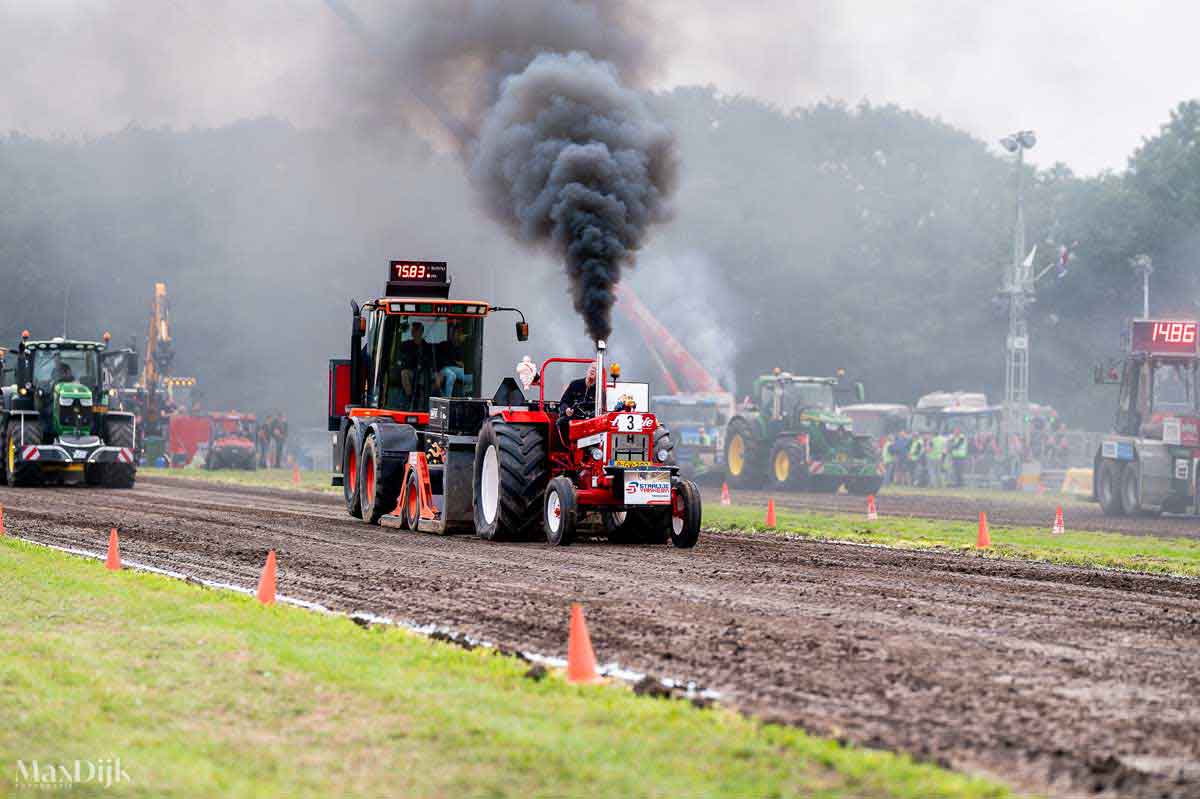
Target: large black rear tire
<point>511,473</point>
<point>1108,488</point>
<point>119,433</point>
<point>21,473</point>
<point>745,456</point>
<point>350,455</point>
<point>379,496</point>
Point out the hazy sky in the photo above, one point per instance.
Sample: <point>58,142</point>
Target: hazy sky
<point>1092,78</point>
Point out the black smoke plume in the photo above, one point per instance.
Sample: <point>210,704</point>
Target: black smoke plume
<point>567,156</point>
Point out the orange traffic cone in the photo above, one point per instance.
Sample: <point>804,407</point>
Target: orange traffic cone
<point>770,513</point>
<point>581,660</point>
<point>872,514</point>
<point>113,561</point>
<point>725,500</point>
<point>266,583</point>
<point>295,474</point>
<point>985,538</point>
<point>1059,526</point>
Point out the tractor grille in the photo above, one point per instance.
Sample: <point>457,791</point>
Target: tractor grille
<point>631,447</point>
<point>75,416</point>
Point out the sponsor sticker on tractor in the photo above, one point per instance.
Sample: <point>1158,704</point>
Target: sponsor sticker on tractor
<point>648,488</point>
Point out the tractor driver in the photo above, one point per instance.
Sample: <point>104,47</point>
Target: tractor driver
<point>578,402</point>
<point>416,367</point>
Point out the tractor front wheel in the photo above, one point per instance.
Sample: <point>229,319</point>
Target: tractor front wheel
<point>561,512</point>
<point>685,514</point>
<point>743,456</point>
<point>511,472</point>
<point>788,470</point>
<point>18,472</point>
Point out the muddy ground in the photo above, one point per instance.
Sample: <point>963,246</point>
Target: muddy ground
<point>1067,681</point>
<point>1024,510</point>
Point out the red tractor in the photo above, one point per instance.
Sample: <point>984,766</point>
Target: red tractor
<point>231,441</point>
<point>418,446</point>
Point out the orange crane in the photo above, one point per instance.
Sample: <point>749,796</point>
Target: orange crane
<point>680,370</point>
<point>697,407</point>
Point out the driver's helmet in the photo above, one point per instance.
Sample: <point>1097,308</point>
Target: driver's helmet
<point>626,402</point>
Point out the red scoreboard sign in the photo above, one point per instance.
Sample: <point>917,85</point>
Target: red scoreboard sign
<point>1164,337</point>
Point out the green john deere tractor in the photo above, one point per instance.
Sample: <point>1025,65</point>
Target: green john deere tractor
<point>55,423</point>
<point>792,437</point>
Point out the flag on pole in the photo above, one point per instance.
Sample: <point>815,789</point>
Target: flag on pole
<point>1064,258</point>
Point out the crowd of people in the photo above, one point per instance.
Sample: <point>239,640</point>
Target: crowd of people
<point>272,440</point>
<point>938,460</point>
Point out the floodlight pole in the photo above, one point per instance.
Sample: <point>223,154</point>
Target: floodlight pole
<point>1144,266</point>
<point>1020,291</point>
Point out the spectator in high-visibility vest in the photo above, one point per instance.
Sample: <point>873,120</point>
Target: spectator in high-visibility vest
<point>916,459</point>
<point>936,458</point>
<point>889,458</point>
<point>959,451</point>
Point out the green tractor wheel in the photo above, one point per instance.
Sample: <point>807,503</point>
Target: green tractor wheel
<point>787,467</point>
<point>119,433</point>
<point>21,473</point>
<point>744,462</point>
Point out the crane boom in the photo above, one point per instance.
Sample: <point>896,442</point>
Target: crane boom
<point>680,368</point>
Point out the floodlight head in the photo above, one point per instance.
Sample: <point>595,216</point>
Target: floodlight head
<point>1009,143</point>
<point>1028,138</point>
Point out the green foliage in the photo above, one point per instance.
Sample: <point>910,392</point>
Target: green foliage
<point>867,237</point>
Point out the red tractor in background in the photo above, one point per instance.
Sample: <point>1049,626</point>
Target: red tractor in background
<point>417,446</point>
<point>231,441</point>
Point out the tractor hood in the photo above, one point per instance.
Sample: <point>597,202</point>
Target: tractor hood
<point>69,392</point>
<point>825,418</point>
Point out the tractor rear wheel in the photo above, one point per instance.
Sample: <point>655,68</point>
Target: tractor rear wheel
<point>350,455</point>
<point>685,514</point>
<point>1108,488</point>
<point>378,495</point>
<point>561,512</point>
<point>743,456</point>
<point>511,472</point>
<point>18,472</point>
<point>119,433</point>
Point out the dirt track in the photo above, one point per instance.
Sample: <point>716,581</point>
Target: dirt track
<point>1019,510</point>
<point>1057,679</point>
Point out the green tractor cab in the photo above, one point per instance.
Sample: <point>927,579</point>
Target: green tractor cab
<point>56,424</point>
<point>792,436</point>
